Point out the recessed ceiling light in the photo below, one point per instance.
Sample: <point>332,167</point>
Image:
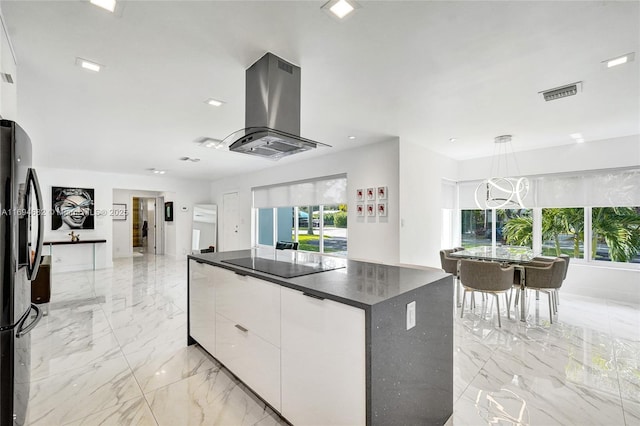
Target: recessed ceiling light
<point>579,140</point>
<point>109,5</point>
<point>352,137</point>
<point>213,102</point>
<point>452,139</point>
<point>340,8</point>
<point>619,60</point>
<point>88,65</point>
<point>157,172</point>
<point>193,160</point>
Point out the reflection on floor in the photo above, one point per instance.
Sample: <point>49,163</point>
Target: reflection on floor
<point>113,351</point>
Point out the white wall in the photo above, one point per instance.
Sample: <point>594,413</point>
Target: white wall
<point>374,239</point>
<point>421,223</point>
<point>177,233</point>
<point>603,282</point>
<point>604,154</point>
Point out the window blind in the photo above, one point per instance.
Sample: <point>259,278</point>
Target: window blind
<point>602,188</point>
<point>448,194</point>
<point>309,192</point>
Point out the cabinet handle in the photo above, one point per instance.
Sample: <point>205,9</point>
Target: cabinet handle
<point>313,295</point>
<point>242,275</point>
<point>199,261</point>
<point>241,328</point>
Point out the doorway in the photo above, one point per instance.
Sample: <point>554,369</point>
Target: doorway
<point>145,226</point>
<point>230,222</point>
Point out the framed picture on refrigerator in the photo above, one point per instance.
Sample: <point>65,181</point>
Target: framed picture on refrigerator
<point>359,209</point>
<point>360,194</point>
<point>382,209</point>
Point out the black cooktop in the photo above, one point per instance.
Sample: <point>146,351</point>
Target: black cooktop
<point>280,268</point>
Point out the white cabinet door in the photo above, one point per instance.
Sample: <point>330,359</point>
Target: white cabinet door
<point>323,361</point>
<point>249,301</point>
<point>254,360</point>
<point>202,316</point>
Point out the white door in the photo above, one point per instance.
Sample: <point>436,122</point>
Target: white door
<point>230,222</point>
<point>151,223</point>
<point>159,225</point>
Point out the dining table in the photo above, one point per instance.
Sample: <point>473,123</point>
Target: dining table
<point>518,256</point>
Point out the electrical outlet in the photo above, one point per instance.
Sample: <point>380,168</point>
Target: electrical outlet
<point>411,315</point>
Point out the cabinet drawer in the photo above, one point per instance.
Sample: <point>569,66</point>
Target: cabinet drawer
<point>202,325</point>
<point>323,361</point>
<point>254,360</point>
<point>249,301</point>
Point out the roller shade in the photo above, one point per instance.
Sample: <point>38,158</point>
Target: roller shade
<point>448,195</point>
<point>311,192</point>
<point>602,188</point>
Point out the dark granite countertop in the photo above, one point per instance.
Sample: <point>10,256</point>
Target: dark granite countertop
<point>355,283</point>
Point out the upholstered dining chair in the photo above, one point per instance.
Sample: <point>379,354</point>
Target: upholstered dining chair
<point>486,277</point>
<point>556,293</point>
<point>450,266</point>
<point>536,261</point>
<point>546,278</point>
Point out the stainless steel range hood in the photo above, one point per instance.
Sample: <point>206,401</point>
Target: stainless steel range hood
<point>272,111</point>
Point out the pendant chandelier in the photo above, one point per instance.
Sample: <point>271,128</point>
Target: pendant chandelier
<point>502,192</point>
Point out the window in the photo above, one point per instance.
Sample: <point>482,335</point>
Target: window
<point>514,227</point>
<point>563,232</point>
<point>309,230</point>
<point>265,227</point>
<point>615,234</point>
<point>590,215</point>
<point>476,228</point>
<point>334,223</point>
<point>314,214</point>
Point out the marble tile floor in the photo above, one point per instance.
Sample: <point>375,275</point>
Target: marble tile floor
<point>112,351</point>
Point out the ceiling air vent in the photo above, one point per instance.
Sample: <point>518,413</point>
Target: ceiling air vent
<point>561,92</point>
<point>7,78</point>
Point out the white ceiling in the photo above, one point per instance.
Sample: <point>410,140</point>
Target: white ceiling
<point>424,71</point>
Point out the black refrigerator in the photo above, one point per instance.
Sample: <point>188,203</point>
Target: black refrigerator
<point>21,234</point>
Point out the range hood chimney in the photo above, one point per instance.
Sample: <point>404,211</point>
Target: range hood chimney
<point>272,111</point>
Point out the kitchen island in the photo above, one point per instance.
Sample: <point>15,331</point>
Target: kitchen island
<point>325,340</point>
